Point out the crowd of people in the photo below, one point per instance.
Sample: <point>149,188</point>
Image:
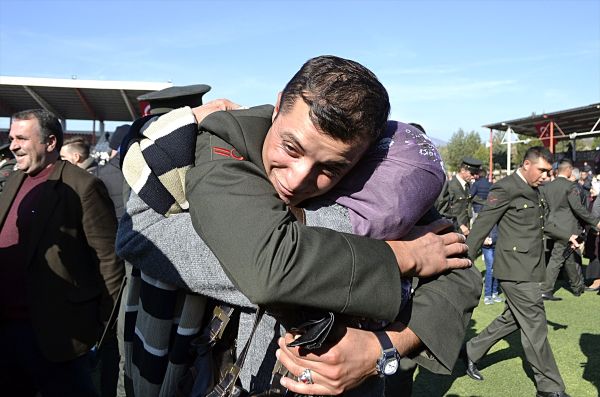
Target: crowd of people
<point>313,247</point>
<point>528,226</point>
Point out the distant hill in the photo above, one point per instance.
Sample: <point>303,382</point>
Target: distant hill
<point>437,142</point>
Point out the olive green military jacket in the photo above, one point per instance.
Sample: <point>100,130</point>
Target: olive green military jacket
<point>519,211</point>
<point>276,261</point>
<point>565,207</point>
<point>455,202</point>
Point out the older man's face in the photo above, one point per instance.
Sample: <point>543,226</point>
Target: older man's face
<point>31,153</point>
<point>300,160</point>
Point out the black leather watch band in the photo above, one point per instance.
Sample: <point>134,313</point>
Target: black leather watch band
<point>384,340</point>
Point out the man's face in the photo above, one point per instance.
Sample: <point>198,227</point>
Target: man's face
<point>465,174</point>
<point>302,162</point>
<point>68,155</point>
<point>31,153</point>
<point>536,172</point>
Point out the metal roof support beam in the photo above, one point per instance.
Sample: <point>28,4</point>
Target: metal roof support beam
<point>86,104</point>
<point>508,149</point>
<point>491,155</point>
<point>42,102</point>
<point>595,125</point>
<point>132,112</point>
<point>552,137</point>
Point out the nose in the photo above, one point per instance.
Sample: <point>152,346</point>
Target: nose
<point>301,176</point>
<point>13,145</point>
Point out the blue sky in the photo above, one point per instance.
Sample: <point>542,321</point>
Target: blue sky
<point>446,64</point>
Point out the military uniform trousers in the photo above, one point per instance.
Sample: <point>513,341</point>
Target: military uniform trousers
<point>572,267</point>
<point>524,310</point>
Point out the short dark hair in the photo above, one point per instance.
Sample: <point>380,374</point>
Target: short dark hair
<point>537,152</point>
<point>419,126</point>
<point>79,145</point>
<point>564,164</point>
<point>346,100</point>
<point>49,124</point>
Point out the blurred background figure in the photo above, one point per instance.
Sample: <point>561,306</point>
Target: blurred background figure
<point>479,191</point>
<point>77,152</point>
<point>110,172</point>
<point>455,199</point>
<point>7,164</point>
<point>565,209</point>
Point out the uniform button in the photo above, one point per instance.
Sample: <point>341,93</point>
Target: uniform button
<point>514,248</point>
<point>525,206</point>
<point>542,227</point>
<point>541,216</point>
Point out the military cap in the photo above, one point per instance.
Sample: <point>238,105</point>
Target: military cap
<point>472,164</point>
<point>174,97</point>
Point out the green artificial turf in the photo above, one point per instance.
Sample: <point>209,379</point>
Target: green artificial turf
<point>574,334</point>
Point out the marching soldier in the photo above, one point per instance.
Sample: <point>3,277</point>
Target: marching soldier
<point>515,205</point>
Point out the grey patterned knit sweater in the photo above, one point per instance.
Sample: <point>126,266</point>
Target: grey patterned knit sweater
<point>169,250</point>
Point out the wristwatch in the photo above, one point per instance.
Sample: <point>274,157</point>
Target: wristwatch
<point>389,361</point>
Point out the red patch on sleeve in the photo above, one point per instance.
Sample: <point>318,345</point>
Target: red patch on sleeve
<point>227,153</point>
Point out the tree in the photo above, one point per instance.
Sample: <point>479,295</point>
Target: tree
<point>463,144</point>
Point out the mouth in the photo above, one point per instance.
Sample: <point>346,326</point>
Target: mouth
<point>284,194</point>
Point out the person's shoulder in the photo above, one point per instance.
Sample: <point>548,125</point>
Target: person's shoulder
<point>508,183</point>
<point>255,111</point>
<point>76,177</point>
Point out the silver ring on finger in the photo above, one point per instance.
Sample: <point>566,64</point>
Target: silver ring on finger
<point>306,377</point>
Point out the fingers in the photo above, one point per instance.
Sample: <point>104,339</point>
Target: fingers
<point>306,389</point>
<point>458,263</point>
<point>222,104</point>
<point>296,365</point>
<point>451,238</point>
<point>456,249</point>
<point>200,112</point>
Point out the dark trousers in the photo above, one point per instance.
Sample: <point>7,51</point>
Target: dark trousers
<point>24,370</point>
<point>401,383</point>
<point>524,311</point>
<point>572,267</point>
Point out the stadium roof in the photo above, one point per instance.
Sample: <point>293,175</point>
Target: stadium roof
<point>72,99</point>
<point>583,120</point>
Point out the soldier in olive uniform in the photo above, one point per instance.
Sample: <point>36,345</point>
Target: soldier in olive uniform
<point>565,209</point>
<point>515,205</point>
<point>455,198</point>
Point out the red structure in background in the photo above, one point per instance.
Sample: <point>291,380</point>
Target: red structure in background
<point>551,127</point>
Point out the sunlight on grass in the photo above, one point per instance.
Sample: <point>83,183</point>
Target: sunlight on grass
<point>574,334</point>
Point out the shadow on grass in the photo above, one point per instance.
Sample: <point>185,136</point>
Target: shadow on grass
<point>590,346</point>
<point>433,385</point>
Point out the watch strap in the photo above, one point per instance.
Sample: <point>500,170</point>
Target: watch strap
<point>384,340</point>
<point>388,351</point>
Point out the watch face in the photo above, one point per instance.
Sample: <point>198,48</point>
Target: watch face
<point>391,366</point>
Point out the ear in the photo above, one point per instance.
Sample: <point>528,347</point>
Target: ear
<point>276,109</point>
<point>51,142</point>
